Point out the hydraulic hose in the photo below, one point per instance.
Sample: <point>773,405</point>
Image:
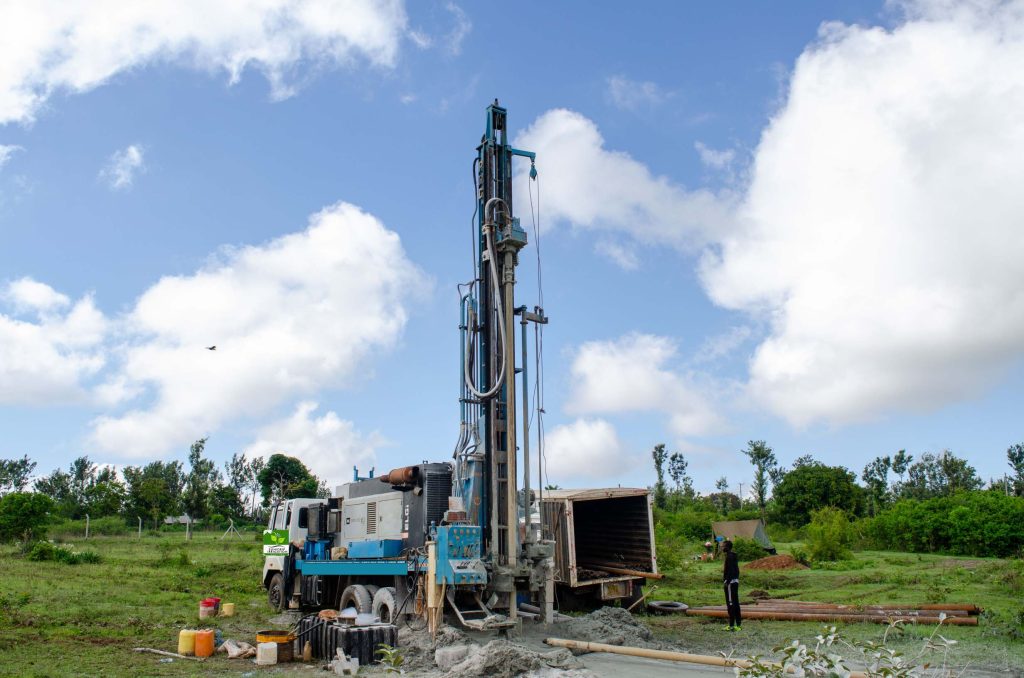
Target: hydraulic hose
<point>499,304</point>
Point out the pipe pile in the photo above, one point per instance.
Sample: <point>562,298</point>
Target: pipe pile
<point>953,614</point>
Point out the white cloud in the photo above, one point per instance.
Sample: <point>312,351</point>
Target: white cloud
<point>58,46</point>
<point>721,345</point>
<point>715,159</point>
<point>328,445</point>
<point>630,374</point>
<point>586,449</point>
<point>48,354</point>
<point>591,187</point>
<point>122,166</point>
<point>292,317</point>
<point>881,232</point>
<point>6,152</point>
<point>462,28</point>
<point>633,95</point>
<point>622,255</point>
<point>31,295</point>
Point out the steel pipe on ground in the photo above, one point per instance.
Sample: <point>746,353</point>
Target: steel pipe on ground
<point>839,616</point>
<point>706,660</point>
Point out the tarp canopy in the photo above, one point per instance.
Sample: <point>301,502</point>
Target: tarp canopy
<point>748,529</point>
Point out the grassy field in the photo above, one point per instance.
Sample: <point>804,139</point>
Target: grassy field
<point>58,619</point>
<point>872,577</point>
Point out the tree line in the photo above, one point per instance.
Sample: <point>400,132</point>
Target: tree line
<point>199,489</point>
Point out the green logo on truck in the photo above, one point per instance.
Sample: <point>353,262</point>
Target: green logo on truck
<point>275,542</point>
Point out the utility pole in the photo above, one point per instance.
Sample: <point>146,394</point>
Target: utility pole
<point>741,495</point>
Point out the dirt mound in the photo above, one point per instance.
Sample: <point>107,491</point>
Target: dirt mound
<point>610,625</point>
<point>502,659</point>
<point>776,563</point>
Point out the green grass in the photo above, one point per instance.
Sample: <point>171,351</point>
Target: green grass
<point>84,619</point>
<point>871,577</point>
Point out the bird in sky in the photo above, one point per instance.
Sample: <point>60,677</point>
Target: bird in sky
<point>211,348</point>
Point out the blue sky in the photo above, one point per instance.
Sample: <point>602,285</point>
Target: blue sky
<point>797,226</point>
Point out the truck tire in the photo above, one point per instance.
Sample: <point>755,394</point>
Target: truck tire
<point>667,606</point>
<point>275,592</point>
<point>372,590</point>
<point>358,597</point>
<point>385,604</point>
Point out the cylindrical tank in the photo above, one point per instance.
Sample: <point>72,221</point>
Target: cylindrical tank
<point>187,642</point>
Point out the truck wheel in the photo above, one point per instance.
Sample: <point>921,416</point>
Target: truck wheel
<point>275,592</point>
<point>372,590</point>
<point>358,597</point>
<point>385,604</point>
<point>667,606</point>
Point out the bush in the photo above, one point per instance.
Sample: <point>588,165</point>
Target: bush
<point>44,550</point>
<point>747,549</point>
<point>23,516</point>
<point>978,523</point>
<point>800,555</point>
<point>829,535</point>
<point>688,525</point>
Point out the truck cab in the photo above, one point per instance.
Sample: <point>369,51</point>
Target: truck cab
<point>286,525</point>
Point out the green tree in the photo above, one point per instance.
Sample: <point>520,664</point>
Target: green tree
<point>876,477</point>
<point>225,501</point>
<point>938,476</point>
<point>721,496</point>
<point>901,462</point>
<point>14,474</point>
<point>809,488</point>
<point>106,496</point>
<point>660,455</point>
<point>57,486</point>
<point>286,477</point>
<point>82,474</point>
<point>763,460</point>
<point>829,535</point>
<point>24,516</point>
<point>203,477</point>
<point>1015,458</point>
<point>154,490</point>
<point>677,467</point>
<point>256,466</point>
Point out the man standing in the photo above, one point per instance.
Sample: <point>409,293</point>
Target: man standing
<point>731,577</point>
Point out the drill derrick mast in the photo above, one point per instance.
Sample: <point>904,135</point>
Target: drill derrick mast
<point>486,455</point>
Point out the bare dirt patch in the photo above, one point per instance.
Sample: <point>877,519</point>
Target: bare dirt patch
<point>783,562</point>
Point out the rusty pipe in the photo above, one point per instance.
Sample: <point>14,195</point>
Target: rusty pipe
<point>826,617</point>
<point>405,475</point>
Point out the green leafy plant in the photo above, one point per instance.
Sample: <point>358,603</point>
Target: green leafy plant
<point>829,535</point>
<point>391,658</point>
<point>747,549</point>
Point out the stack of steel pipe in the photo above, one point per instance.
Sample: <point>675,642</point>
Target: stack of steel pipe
<point>954,614</point>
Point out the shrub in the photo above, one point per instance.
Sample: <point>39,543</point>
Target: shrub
<point>829,535</point>
<point>978,523</point>
<point>44,550</point>
<point>110,526</point>
<point>747,549</point>
<point>23,516</point>
<point>800,555</point>
<point>41,550</point>
<point>688,525</point>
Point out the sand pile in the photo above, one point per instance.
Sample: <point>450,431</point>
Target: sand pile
<point>784,562</point>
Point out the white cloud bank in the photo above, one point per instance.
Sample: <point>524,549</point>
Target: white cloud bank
<point>53,46</point>
<point>584,449</point>
<point>328,445</point>
<point>879,239</point>
<point>289,318</point>
<point>122,166</point>
<point>48,345</point>
<point>634,374</point>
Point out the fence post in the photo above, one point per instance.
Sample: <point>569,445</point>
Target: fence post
<point>140,527</point>
<point>86,525</point>
<point>188,527</point>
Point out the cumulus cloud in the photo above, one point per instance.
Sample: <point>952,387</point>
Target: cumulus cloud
<point>328,445</point>
<point>584,449</point>
<point>591,187</point>
<point>49,345</point>
<point>633,95</point>
<point>290,317</point>
<point>55,46</point>
<point>881,230</point>
<point>122,166</point>
<point>634,374</point>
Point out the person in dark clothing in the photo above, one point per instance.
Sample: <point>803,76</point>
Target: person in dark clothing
<point>731,578</point>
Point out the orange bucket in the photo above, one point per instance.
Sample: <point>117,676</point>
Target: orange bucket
<point>204,643</point>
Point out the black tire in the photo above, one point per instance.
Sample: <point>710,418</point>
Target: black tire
<point>275,593</point>
<point>358,597</point>
<point>385,604</point>
<point>667,606</point>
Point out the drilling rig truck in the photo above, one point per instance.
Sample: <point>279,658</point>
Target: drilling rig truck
<point>463,534</point>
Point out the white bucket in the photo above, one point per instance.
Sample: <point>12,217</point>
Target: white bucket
<point>266,654</point>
